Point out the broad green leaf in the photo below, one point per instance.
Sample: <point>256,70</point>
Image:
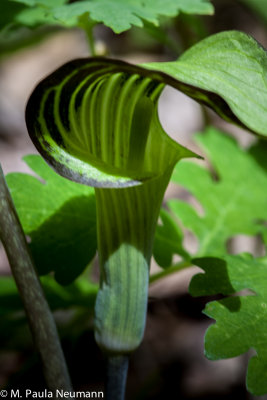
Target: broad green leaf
<point>233,203</point>
<point>241,322</point>
<point>58,216</point>
<point>231,65</point>
<point>120,15</point>
<point>168,241</point>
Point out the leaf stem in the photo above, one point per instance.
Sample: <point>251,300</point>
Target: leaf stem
<point>171,270</point>
<point>87,25</point>
<point>91,41</point>
<point>40,318</point>
<point>116,377</point>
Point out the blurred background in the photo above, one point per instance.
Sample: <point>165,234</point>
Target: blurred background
<point>170,363</point>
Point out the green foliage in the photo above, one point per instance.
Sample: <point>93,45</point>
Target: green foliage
<point>241,321</point>
<point>119,15</point>
<point>9,11</point>
<point>58,216</point>
<point>233,201</point>
<point>226,71</point>
<point>238,214</point>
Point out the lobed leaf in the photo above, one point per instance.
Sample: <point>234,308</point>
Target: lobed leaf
<point>119,15</point>
<point>241,322</point>
<point>29,13</point>
<point>59,217</point>
<point>233,203</point>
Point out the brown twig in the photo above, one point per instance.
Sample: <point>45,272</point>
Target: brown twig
<point>40,318</point>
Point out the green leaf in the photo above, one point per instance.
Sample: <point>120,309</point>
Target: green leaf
<point>231,65</point>
<point>29,13</point>
<point>58,216</point>
<point>39,13</point>
<point>9,12</point>
<point>168,241</point>
<point>233,203</point>
<point>35,16</point>
<point>241,322</point>
<point>120,15</point>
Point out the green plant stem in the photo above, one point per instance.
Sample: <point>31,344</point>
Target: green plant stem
<point>91,41</point>
<point>169,271</point>
<point>87,25</point>
<point>40,318</point>
<point>117,369</point>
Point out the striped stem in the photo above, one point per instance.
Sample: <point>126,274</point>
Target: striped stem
<point>126,221</point>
